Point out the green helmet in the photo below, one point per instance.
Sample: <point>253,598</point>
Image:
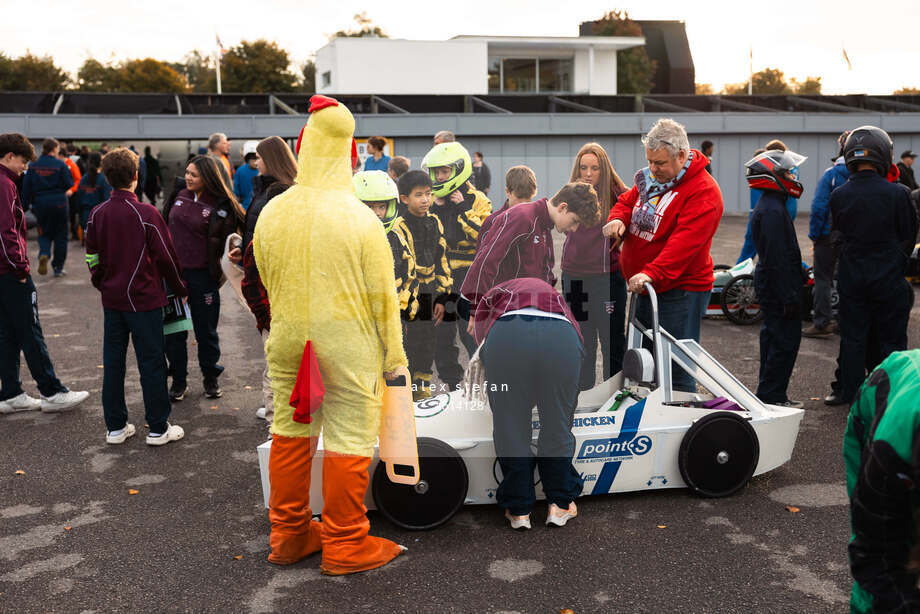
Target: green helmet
<point>377,187</point>
<point>456,158</point>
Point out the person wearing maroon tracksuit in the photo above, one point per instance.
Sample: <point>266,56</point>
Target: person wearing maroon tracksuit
<point>520,241</point>
<point>130,253</point>
<point>531,352</point>
<point>20,329</point>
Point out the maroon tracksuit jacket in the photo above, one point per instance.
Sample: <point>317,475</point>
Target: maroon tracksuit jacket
<point>130,252</point>
<point>519,244</point>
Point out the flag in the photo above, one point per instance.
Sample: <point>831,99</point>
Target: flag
<point>846,59</point>
<point>220,46</point>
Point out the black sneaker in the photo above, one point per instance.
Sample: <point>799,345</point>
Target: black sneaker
<point>212,388</point>
<point>177,392</point>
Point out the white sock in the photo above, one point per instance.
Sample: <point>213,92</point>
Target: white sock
<point>117,433</point>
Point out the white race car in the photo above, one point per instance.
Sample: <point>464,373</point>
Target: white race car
<point>632,432</point>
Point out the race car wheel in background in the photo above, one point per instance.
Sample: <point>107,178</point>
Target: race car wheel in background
<point>718,454</point>
<point>440,492</point>
<point>721,267</point>
<point>739,301</point>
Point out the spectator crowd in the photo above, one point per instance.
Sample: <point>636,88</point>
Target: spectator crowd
<point>423,265</point>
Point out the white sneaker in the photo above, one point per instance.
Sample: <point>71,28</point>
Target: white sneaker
<point>23,402</point>
<point>126,432</point>
<point>265,414</point>
<point>518,522</point>
<point>63,401</point>
<point>174,432</point>
<point>557,516</point>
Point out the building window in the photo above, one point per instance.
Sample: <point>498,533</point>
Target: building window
<point>530,75</point>
<point>519,75</point>
<point>327,78</point>
<point>556,75</point>
<point>495,75</point>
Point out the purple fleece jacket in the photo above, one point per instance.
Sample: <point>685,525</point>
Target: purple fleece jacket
<point>519,244</point>
<point>130,252</point>
<point>13,258</point>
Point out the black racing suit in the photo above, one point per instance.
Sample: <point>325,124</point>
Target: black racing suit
<point>877,225</point>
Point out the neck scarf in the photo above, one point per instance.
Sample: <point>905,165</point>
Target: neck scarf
<point>650,189</point>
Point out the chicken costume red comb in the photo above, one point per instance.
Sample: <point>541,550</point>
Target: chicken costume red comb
<point>317,103</point>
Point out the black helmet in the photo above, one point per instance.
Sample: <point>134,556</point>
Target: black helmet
<point>868,144</point>
<point>768,171</point>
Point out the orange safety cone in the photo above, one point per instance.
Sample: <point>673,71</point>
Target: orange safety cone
<point>294,535</point>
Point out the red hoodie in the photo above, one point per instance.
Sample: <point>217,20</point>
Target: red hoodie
<point>676,253</point>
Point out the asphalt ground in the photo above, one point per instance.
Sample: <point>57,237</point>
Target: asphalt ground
<point>194,537</point>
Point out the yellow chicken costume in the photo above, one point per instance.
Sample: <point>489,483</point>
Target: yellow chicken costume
<point>328,269</point>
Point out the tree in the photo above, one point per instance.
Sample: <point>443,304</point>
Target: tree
<point>308,77</point>
<point>810,86</point>
<point>703,89</point>
<point>94,76</point>
<point>146,75</point>
<point>31,73</point>
<point>198,70</point>
<point>766,81</point>
<point>635,71</point>
<point>362,27</point>
<point>149,75</point>
<point>6,72</point>
<point>907,90</point>
<point>259,66</point>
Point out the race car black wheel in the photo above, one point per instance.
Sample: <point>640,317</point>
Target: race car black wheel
<point>443,482</point>
<point>739,301</point>
<point>718,454</point>
<point>721,267</point>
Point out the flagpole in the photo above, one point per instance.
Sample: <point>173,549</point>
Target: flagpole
<point>217,58</point>
<point>751,70</point>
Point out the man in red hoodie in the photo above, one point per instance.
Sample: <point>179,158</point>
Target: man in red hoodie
<point>666,223</point>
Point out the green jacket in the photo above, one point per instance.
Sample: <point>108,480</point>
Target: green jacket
<point>881,450</point>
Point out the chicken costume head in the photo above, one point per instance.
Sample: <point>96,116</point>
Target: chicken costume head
<point>326,264</point>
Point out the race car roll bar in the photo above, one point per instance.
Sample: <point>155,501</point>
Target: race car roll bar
<point>690,356</point>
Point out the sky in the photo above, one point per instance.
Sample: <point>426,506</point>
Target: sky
<point>802,39</point>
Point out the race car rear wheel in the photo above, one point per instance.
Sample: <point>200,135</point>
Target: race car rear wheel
<point>718,454</point>
<point>441,490</point>
<point>739,301</point>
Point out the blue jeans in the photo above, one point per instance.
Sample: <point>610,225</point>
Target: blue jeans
<point>598,303</point>
<point>52,222</point>
<point>680,312</point>
<point>20,331</point>
<point>204,305</point>
<point>538,359</point>
<point>145,329</point>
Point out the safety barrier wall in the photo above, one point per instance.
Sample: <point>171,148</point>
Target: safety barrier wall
<point>545,142</point>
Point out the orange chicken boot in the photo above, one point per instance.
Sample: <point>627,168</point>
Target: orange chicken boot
<point>294,535</point>
<point>347,548</point>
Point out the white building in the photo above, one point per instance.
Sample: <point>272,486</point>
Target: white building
<point>475,65</point>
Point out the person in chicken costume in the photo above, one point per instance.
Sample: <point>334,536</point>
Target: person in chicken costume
<point>326,264</point>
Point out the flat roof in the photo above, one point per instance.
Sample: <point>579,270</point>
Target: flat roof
<point>558,42</point>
